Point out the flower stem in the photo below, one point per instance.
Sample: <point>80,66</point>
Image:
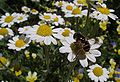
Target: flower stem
<point>46,52</point>
<point>87,19</point>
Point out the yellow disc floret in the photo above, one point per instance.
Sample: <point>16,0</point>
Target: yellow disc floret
<point>103,25</point>
<point>20,43</point>
<point>104,10</point>
<point>44,30</point>
<point>66,33</point>
<point>76,11</point>
<point>9,19</point>
<point>60,3</point>
<point>56,19</point>
<point>69,7</point>
<point>3,31</point>
<point>34,10</point>
<point>47,17</point>
<point>81,1</point>
<point>98,71</point>
<point>20,18</point>
<point>3,60</point>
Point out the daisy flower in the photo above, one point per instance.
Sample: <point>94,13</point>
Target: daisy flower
<point>76,12</point>
<point>81,50</point>
<point>46,17</point>
<point>21,17</point>
<point>57,19</point>
<point>102,13</point>
<point>59,3</point>
<point>64,35</point>
<point>25,9</point>
<point>24,30</point>
<point>68,7</point>
<point>97,73</point>
<point>43,33</point>
<point>80,2</point>
<point>18,43</point>
<point>31,77</point>
<point>34,11</point>
<point>5,32</point>
<point>7,19</point>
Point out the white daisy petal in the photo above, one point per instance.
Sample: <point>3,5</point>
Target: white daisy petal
<point>84,62</point>
<point>96,53</point>
<point>91,41</point>
<point>65,49</point>
<point>112,16</point>
<point>53,40</point>
<point>71,57</point>
<point>91,57</point>
<point>57,30</point>
<point>47,41</point>
<point>95,46</point>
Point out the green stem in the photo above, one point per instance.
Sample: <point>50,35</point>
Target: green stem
<point>86,75</point>
<point>25,2</point>
<point>77,24</point>
<point>87,19</point>
<point>46,52</point>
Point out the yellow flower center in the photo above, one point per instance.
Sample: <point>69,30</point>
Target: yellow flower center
<point>3,31</point>
<point>76,11</point>
<point>20,18</point>
<point>66,33</point>
<point>18,72</point>
<point>69,7</point>
<point>76,80</point>
<point>104,10</point>
<point>56,19</point>
<point>44,30</point>
<point>81,1</point>
<point>47,17</point>
<point>98,71</point>
<point>31,79</point>
<point>34,10</point>
<point>9,19</point>
<point>3,60</point>
<point>26,9</point>
<point>20,43</point>
<point>60,3</point>
<point>103,25</point>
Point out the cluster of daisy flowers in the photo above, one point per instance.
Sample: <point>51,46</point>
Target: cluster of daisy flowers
<point>52,30</point>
